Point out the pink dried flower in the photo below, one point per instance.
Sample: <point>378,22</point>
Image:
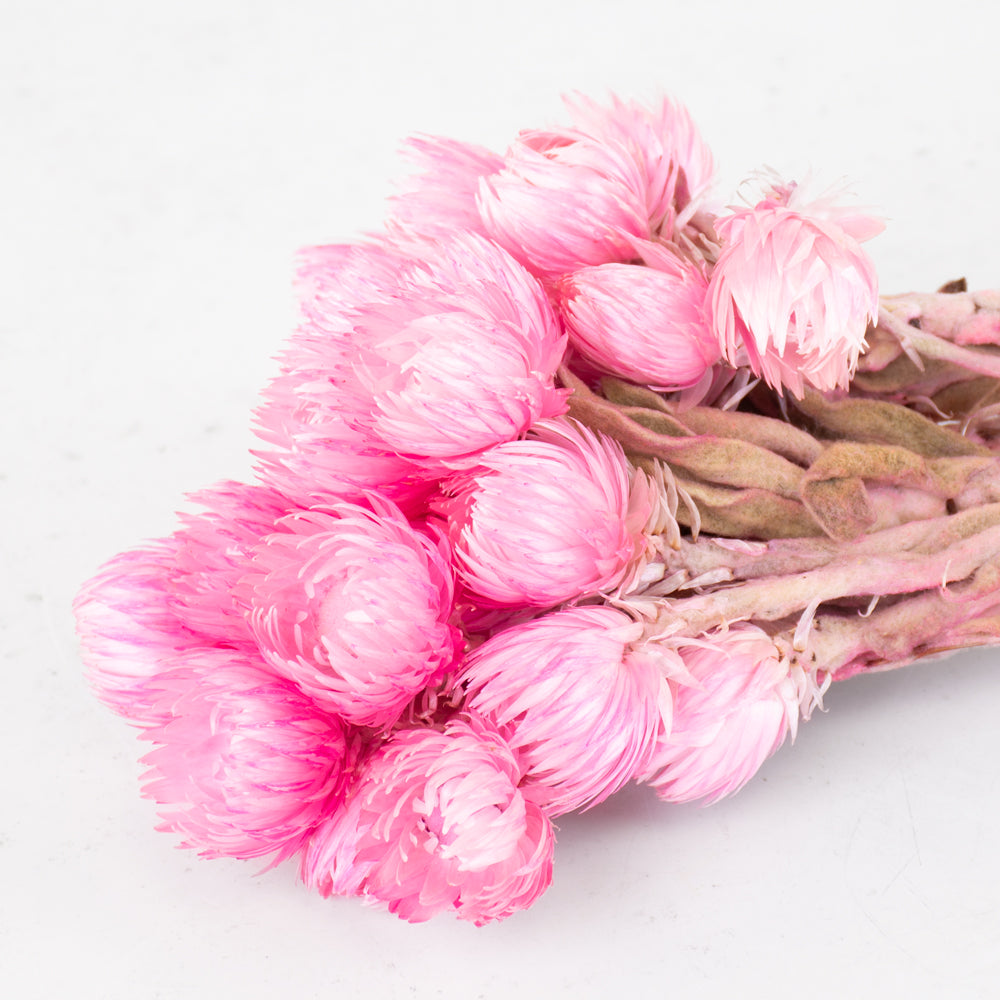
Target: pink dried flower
<point>246,764</point>
<point>649,325</point>
<point>579,706</point>
<point>432,361</point>
<point>548,519</point>
<point>212,552</point>
<point>148,608</point>
<point>434,823</point>
<point>467,359</point>
<point>442,196</point>
<point>583,195</point>
<point>793,287</point>
<point>317,418</point>
<point>353,605</point>
<point>129,631</point>
<point>733,711</point>
<point>676,162</point>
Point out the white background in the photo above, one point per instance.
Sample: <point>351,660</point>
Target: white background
<point>160,164</point>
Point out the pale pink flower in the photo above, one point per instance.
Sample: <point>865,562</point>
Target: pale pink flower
<point>435,823</point>
<point>246,765</point>
<point>129,631</point>
<point>576,701</point>
<point>573,197</point>
<point>793,288</point>
<point>734,710</point>
<point>432,361</point>
<point>354,606</point>
<point>442,195</point>
<point>649,325</point>
<point>547,519</point>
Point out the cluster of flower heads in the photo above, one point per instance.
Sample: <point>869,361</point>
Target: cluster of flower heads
<point>409,647</point>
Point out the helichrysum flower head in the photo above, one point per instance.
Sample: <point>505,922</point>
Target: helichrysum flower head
<point>442,196</point>
<point>150,605</point>
<point>677,164</point>
<point>317,420</point>
<point>583,195</point>
<point>212,552</point>
<point>649,325</point>
<point>466,358</point>
<point>579,706</point>
<point>246,765</point>
<point>547,519</point>
<point>741,700</point>
<point>435,823</point>
<point>793,287</point>
<point>429,362</point>
<point>129,630</point>
<point>353,605</point>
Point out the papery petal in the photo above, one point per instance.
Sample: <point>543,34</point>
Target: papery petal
<point>317,417</point>
<point>442,197</point>
<point>468,360</point>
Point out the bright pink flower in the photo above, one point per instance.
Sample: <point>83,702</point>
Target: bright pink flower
<point>583,195</point>
<point>353,605</point>
<point>466,359</point>
<point>317,418</point>
<point>246,764</point>
<point>431,362</point>
<point>442,196</point>
<point>213,549</point>
<point>576,702</point>
<point>649,325</point>
<point>129,631</point>
<point>548,519</point>
<point>435,823</point>
<point>741,700</point>
<point>794,288</point>
<point>677,164</point>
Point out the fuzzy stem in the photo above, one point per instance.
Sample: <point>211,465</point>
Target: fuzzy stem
<point>785,556</point>
<point>927,624</point>
<point>775,598</point>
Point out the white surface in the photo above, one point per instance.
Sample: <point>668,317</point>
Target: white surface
<point>161,164</point>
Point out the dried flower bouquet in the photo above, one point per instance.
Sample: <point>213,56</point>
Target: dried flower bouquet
<point>569,478</point>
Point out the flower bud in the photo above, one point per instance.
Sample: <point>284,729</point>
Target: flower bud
<point>643,324</point>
